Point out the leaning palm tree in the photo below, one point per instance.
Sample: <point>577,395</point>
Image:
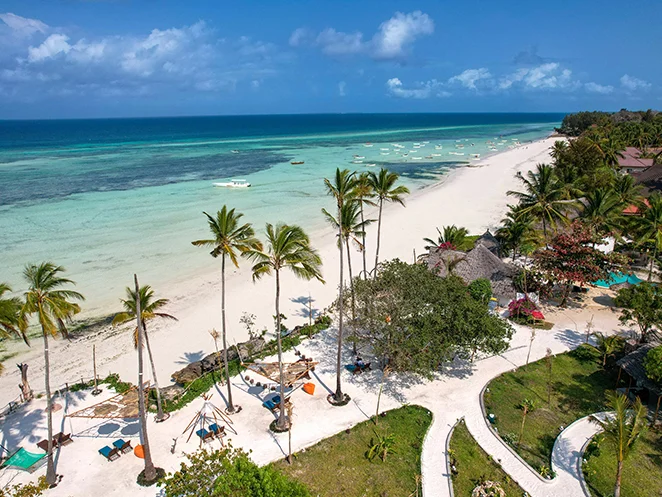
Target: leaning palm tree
<point>342,190</point>
<point>287,247</point>
<point>648,228</point>
<point>602,211</point>
<point>12,323</point>
<point>627,190</point>
<point>623,428</point>
<point>516,231</point>
<point>229,240</point>
<point>54,308</point>
<point>451,236</point>
<point>149,310</point>
<point>383,184</point>
<point>363,194</point>
<point>542,196</point>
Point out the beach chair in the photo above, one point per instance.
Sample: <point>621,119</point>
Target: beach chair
<point>61,439</point>
<point>205,436</point>
<point>122,446</point>
<point>269,405</point>
<point>109,454</point>
<point>43,445</point>
<point>218,431</point>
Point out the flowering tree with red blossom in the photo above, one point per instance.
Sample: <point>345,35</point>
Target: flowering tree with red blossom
<point>571,258</point>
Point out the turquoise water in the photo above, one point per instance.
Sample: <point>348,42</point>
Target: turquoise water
<point>617,278</point>
<point>107,198</point>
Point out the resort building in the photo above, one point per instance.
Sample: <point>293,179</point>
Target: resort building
<point>631,162</point>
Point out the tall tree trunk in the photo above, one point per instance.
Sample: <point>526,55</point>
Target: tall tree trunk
<point>521,430</point>
<point>26,391</point>
<point>650,270</point>
<point>159,414</point>
<point>338,396</point>
<point>150,470</point>
<point>282,418</point>
<point>225,346</point>
<point>365,272</point>
<point>379,234</point>
<point>351,291</point>
<point>619,475</point>
<point>51,477</point>
<point>544,229</point>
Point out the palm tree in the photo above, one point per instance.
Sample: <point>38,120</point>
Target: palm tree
<point>516,230</point>
<point>363,194</point>
<point>603,211</point>
<point>149,310</point>
<point>559,148</point>
<point>287,247</point>
<point>12,322</point>
<point>608,345</point>
<point>229,240</point>
<point>352,227</point>
<point>452,237</point>
<point>542,196</point>
<point>628,192</point>
<point>527,406</point>
<point>383,184</point>
<point>611,150</point>
<point>342,189</point>
<point>53,306</point>
<point>623,428</point>
<point>648,227</point>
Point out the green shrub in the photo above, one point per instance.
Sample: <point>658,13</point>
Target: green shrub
<point>481,290</point>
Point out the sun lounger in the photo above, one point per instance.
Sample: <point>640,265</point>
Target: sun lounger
<point>122,446</point>
<point>357,369</point>
<point>43,445</point>
<point>269,405</point>
<point>109,454</point>
<point>219,431</point>
<point>62,439</point>
<point>204,435</point>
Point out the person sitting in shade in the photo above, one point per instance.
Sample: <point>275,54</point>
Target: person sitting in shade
<point>359,362</point>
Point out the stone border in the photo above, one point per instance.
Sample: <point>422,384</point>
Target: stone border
<point>425,441</point>
<point>448,462</point>
<point>512,451</point>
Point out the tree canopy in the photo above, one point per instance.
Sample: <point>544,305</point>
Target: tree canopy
<point>414,320</point>
<point>653,364</point>
<point>642,306</point>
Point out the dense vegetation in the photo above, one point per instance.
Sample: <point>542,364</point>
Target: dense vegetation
<point>339,466</point>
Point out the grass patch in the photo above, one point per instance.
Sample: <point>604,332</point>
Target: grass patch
<point>473,466</point>
<point>578,389</point>
<point>338,466</point>
<point>642,471</point>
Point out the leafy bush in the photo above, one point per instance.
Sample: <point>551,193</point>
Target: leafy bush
<point>653,364</point>
<point>481,290</point>
<point>27,490</point>
<point>522,308</point>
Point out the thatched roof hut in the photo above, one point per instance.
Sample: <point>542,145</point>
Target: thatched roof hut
<point>477,263</point>
<point>633,365</point>
<point>488,241</point>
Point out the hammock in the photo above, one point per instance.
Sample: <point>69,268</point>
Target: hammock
<point>23,459</point>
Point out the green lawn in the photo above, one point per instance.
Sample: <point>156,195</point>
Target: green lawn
<point>338,465</point>
<point>642,472</point>
<point>578,389</point>
<point>473,465</point>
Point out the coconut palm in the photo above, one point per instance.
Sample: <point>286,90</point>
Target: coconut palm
<point>611,149</point>
<point>383,184</point>
<point>542,196</point>
<point>648,227</point>
<point>451,237</point>
<point>627,190</point>
<point>602,211</point>
<point>363,194</point>
<point>527,406</point>
<point>287,247</point>
<point>11,321</point>
<point>229,240</point>
<point>342,190</point>
<point>516,231</point>
<point>559,148</point>
<point>623,428</point>
<point>149,310</point>
<point>54,308</point>
<point>608,345</point>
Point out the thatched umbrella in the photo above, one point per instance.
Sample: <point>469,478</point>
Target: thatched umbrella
<point>620,286</point>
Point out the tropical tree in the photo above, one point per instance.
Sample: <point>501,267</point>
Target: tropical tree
<point>287,247</point>
<point>12,321</point>
<point>229,239</point>
<point>608,345</point>
<point>602,211</point>
<point>611,150</point>
<point>641,305</point>
<point>363,194</point>
<point>149,309</point>
<point>516,231</point>
<point>559,149</point>
<point>648,228</point>
<point>527,406</point>
<point>54,307</point>
<point>383,185</point>
<point>451,237</point>
<point>342,190</point>
<point>542,196</point>
<point>623,428</point>
<point>626,189</point>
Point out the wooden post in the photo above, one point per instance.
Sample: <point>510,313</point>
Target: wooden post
<point>620,370</point>
<point>96,390</point>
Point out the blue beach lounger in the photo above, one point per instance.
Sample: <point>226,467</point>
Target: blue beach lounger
<point>109,454</point>
<point>122,446</point>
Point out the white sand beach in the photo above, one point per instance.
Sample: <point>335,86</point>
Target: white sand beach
<point>474,197</point>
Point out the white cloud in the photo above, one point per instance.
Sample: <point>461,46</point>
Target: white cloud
<point>53,45</point>
<point>342,86</point>
<point>424,89</point>
<point>392,41</point>
<point>548,76</point>
<point>255,84</point>
<point>631,83</point>
<point>470,77</point>
<point>597,88</point>
<point>23,26</point>
<point>395,35</point>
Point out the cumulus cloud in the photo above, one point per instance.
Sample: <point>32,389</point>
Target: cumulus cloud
<point>53,45</point>
<point>23,26</point>
<point>341,88</point>
<point>392,41</point>
<point>549,76</point>
<point>631,83</point>
<point>425,89</point>
<point>470,77</point>
<point>597,88</point>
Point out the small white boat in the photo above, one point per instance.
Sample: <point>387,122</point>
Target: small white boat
<point>435,155</point>
<point>235,183</point>
<point>370,165</point>
<point>359,157</point>
<point>384,149</point>
<point>234,151</point>
<point>429,157</point>
<point>417,144</point>
<point>368,145</point>
<point>397,145</point>
<point>438,147</point>
<point>459,153</point>
<point>417,158</point>
<point>384,153</point>
<point>412,151</point>
<point>357,162</point>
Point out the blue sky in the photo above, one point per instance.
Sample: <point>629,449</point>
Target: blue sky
<point>96,58</point>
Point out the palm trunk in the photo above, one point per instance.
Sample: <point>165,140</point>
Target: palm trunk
<point>365,273</point>
<point>351,280</point>
<point>544,229</point>
<point>51,477</point>
<point>159,408</point>
<point>521,431</point>
<point>338,396</point>
<point>26,391</point>
<point>150,470</point>
<point>282,419</point>
<point>379,233</point>
<point>619,475</point>
<point>650,270</point>
<point>225,346</point>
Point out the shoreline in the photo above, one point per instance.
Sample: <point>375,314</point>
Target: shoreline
<point>474,197</point>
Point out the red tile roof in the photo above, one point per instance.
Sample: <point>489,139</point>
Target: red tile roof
<point>631,159</point>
